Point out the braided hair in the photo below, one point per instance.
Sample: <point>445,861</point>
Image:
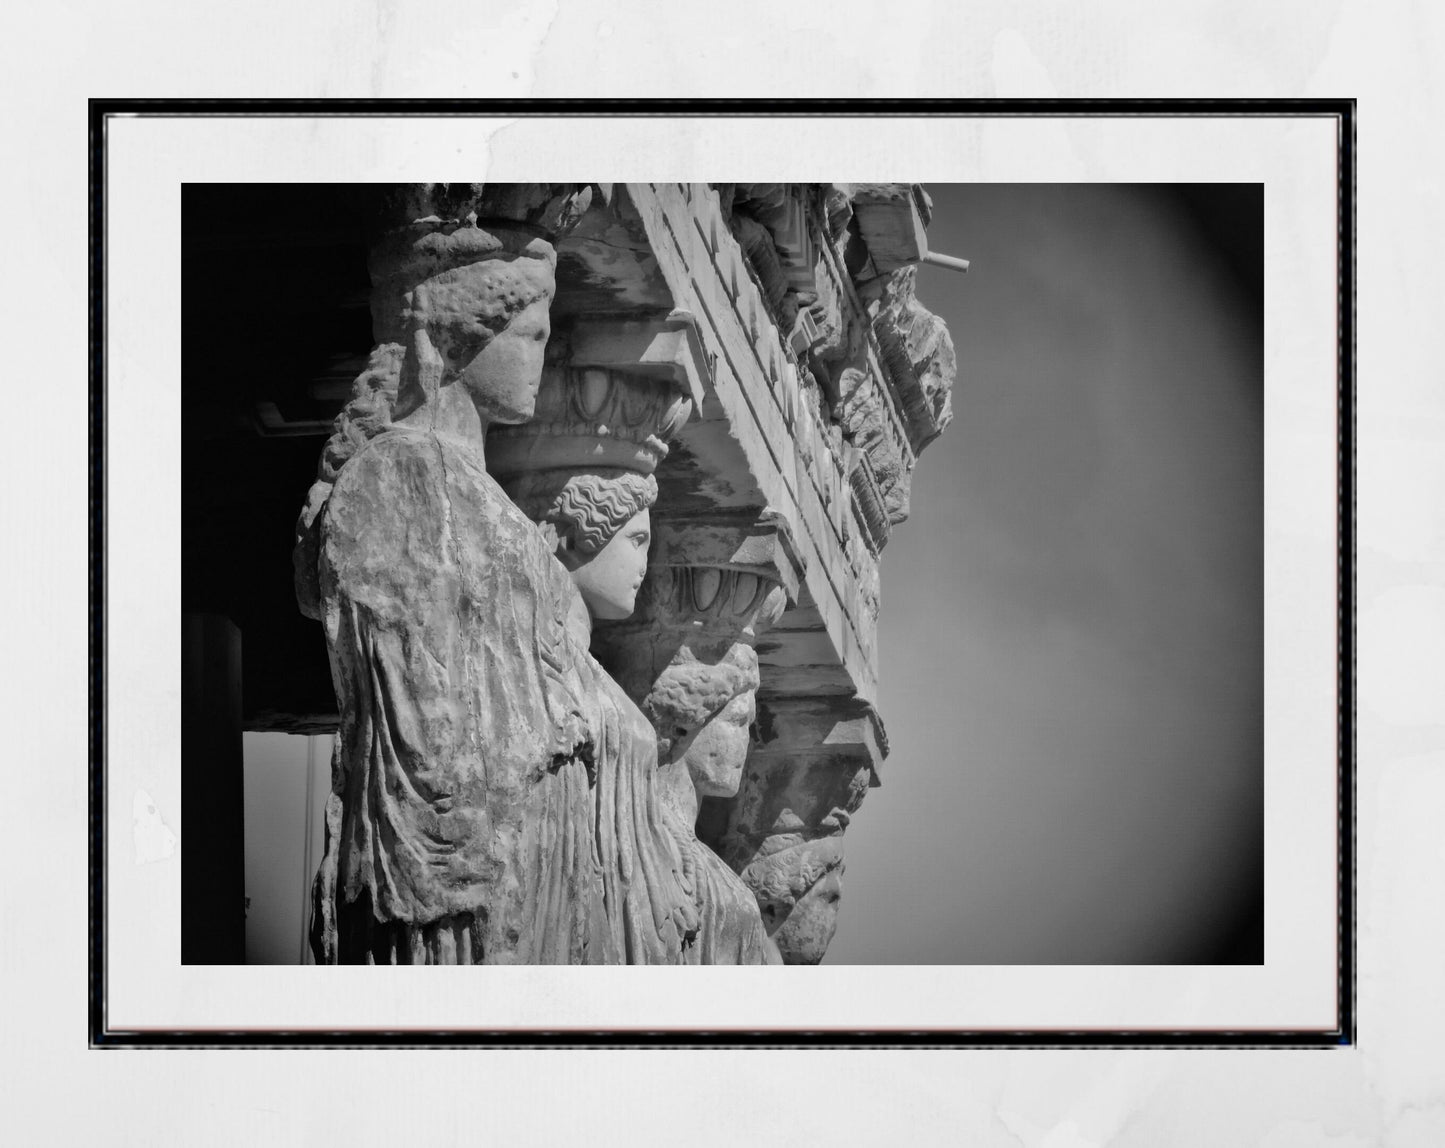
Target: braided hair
<point>366,415</point>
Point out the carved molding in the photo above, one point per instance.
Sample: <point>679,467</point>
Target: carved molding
<point>708,272</point>
<point>763,545</point>
<point>868,500</point>
<point>591,416</point>
<point>918,354</point>
<point>865,412</point>
<point>709,586</point>
<point>739,604</point>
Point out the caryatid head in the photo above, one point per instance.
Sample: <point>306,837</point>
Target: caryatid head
<point>702,702</point>
<point>583,470</point>
<point>463,277</point>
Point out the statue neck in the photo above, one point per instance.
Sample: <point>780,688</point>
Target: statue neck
<point>451,412</point>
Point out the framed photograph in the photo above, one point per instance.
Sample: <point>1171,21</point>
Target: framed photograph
<point>912,542</point>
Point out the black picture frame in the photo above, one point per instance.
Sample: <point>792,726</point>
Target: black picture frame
<point>103,1035</point>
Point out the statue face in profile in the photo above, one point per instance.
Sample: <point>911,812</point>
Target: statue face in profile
<point>609,579</point>
<point>716,757</point>
<point>478,331</point>
<point>503,377</point>
<point>483,327</point>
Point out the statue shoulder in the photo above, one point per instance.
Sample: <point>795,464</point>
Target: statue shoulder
<point>414,508</point>
<point>397,445</point>
<point>412,476</point>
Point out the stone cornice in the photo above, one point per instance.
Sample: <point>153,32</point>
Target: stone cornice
<point>790,458</point>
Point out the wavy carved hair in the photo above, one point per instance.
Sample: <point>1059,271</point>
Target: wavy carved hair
<point>582,511</point>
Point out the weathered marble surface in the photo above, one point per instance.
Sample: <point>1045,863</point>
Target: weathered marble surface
<point>891,222</point>
<point>918,352</point>
<point>687,656</point>
<point>491,796</point>
<point>836,471</point>
<point>580,469</point>
<point>461,821</point>
<point>807,773</point>
<point>509,785</point>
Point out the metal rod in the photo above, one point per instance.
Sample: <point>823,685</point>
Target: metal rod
<point>946,261</point>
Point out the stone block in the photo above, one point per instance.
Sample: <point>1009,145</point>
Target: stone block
<point>890,223</point>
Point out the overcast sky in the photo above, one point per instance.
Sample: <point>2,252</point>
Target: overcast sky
<point>1071,631</point>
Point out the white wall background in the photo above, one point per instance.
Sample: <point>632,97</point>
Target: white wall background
<point>287,780</point>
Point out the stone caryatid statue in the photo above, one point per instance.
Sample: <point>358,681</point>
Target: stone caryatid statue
<point>688,656</point>
<point>583,469</point>
<point>462,823</point>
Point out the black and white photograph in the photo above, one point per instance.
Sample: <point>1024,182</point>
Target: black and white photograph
<point>927,578</point>
<point>803,693</point>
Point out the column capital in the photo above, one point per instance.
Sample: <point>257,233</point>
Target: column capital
<point>755,544</point>
<point>666,347</point>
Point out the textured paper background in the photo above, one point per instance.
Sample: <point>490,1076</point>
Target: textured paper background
<point>1388,1091</point>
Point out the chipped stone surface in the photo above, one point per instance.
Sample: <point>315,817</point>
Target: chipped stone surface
<point>809,770</point>
<point>890,223</point>
<point>491,800</point>
<point>677,793</point>
<point>687,657</point>
<point>865,423</point>
<point>919,355</point>
<point>460,790</point>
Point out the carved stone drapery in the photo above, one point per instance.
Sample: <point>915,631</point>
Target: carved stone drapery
<point>760,349</point>
<point>687,657</point>
<point>573,470</point>
<point>458,827</point>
